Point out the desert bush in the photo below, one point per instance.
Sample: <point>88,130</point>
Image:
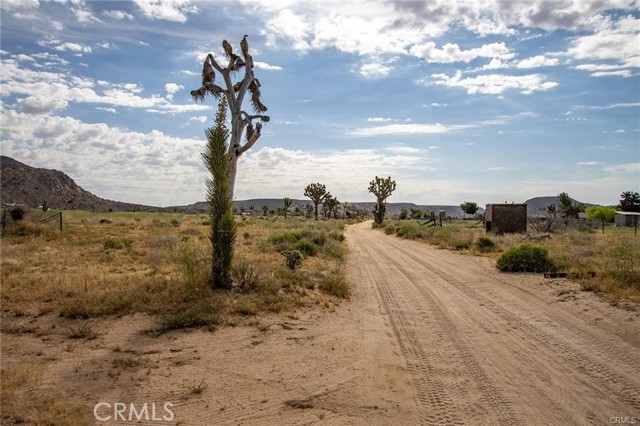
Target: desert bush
<point>307,248</point>
<point>525,258</point>
<point>191,262</point>
<point>335,284</point>
<point>335,250</point>
<point>292,258</point>
<point>17,213</point>
<point>462,245</point>
<point>291,237</point>
<point>408,229</point>
<point>485,244</point>
<point>247,277</point>
<point>389,229</point>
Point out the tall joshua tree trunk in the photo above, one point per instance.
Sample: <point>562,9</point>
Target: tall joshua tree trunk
<point>235,94</point>
<point>222,159</point>
<point>223,227</point>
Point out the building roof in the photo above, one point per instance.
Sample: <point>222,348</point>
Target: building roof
<point>628,213</point>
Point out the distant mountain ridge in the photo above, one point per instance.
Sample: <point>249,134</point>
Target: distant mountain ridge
<point>28,186</point>
<point>277,203</point>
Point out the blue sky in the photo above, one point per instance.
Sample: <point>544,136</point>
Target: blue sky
<point>485,101</point>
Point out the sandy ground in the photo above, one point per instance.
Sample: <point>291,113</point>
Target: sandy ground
<point>429,337</point>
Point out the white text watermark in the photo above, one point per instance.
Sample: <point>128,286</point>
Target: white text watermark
<point>120,411</point>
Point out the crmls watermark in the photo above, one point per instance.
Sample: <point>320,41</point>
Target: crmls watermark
<point>106,411</point>
<point>623,420</point>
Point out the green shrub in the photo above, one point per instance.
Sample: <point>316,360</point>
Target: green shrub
<point>485,244</point>
<point>389,229</point>
<point>306,247</point>
<point>291,237</point>
<point>525,258</point>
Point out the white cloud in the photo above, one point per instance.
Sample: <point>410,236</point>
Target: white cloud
<point>451,53</point>
<point>494,84</point>
<point>378,119</point>
<point>588,163</point>
<point>617,41</point>
<point>11,5</point>
<point>399,129</point>
<point>375,70</point>
<point>172,89</point>
<point>611,106</point>
<point>61,86</point>
<point>200,118</point>
<point>287,25</point>
<point>537,62</point>
<point>628,168</point>
<point>267,67</point>
<point>118,14</point>
<point>65,46</point>
<point>621,73</point>
<point>106,109</point>
<point>39,105</point>
<point>85,16</point>
<point>168,10</point>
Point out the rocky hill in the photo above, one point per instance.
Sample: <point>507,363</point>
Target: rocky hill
<point>537,205</point>
<point>30,187</point>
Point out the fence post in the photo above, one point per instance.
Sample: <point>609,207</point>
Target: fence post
<point>60,221</point>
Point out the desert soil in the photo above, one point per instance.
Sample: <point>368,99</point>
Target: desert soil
<point>429,337</point>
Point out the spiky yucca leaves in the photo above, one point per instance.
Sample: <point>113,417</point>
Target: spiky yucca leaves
<point>223,227</point>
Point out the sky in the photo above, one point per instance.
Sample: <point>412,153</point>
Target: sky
<point>487,101</point>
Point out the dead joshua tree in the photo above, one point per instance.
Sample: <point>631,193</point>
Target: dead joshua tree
<point>235,94</point>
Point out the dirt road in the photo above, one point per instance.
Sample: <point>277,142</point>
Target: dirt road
<point>481,348</point>
<point>429,337</point>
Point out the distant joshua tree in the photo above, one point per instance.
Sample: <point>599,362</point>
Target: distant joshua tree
<point>331,204</point>
<point>317,192</point>
<point>265,210</point>
<point>287,203</point>
<point>382,189</point>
